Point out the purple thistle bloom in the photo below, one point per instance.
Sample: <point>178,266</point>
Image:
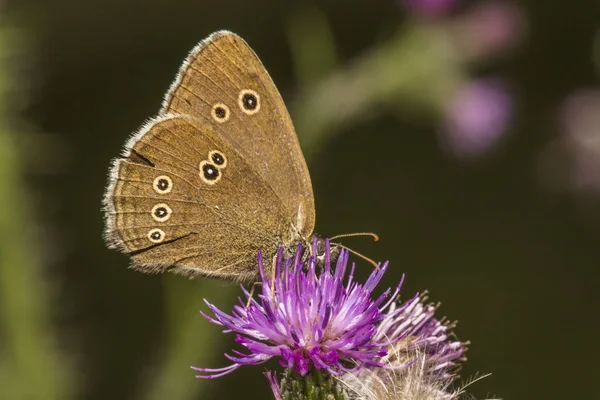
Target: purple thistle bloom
<point>311,319</point>
<point>422,333</point>
<point>426,346</point>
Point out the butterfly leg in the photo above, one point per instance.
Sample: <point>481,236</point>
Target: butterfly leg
<point>254,285</point>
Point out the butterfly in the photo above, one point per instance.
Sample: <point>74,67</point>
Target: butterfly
<point>217,176</point>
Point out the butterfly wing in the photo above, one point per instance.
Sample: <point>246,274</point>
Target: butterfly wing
<point>184,197</point>
<point>223,84</point>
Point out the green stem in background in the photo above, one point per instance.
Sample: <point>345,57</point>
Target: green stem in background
<point>190,337</point>
<point>313,51</point>
<point>31,366</point>
<point>400,73</point>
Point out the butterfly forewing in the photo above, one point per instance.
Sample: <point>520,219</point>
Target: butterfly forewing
<point>224,85</point>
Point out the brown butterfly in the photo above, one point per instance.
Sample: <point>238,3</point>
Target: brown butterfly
<point>217,176</point>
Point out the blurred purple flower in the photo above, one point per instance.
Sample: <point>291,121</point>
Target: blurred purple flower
<point>429,8</point>
<point>476,117</point>
<point>309,319</point>
<point>491,27</point>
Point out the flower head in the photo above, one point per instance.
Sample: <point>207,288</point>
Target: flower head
<point>311,317</point>
<point>422,333</point>
<point>426,349</point>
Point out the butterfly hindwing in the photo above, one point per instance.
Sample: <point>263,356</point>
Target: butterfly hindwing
<point>183,197</point>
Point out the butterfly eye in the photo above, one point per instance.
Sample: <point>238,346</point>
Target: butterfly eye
<point>156,235</point>
<point>249,101</point>
<point>209,173</point>
<point>218,159</point>
<point>161,212</point>
<point>163,184</point>
<point>220,112</point>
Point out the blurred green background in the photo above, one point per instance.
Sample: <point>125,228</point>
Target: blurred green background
<point>465,133</point>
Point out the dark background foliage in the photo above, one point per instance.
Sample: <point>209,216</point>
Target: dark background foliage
<point>502,239</point>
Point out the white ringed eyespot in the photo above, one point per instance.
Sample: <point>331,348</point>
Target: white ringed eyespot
<point>156,235</point>
<point>162,184</point>
<point>249,101</point>
<point>220,113</point>
<point>161,212</point>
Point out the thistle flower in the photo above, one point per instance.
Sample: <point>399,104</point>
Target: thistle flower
<point>427,342</point>
<point>310,320</point>
<point>410,383</point>
<point>334,340</point>
<point>421,332</point>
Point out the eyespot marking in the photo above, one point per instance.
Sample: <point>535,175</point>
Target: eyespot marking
<point>217,158</point>
<point>220,113</point>
<point>156,235</point>
<point>209,173</point>
<point>249,101</point>
<point>162,184</point>
<point>161,212</point>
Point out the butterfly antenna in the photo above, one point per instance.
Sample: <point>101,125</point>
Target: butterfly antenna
<point>360,255</point>
<point>345,235</point>
<point>374,235</point>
